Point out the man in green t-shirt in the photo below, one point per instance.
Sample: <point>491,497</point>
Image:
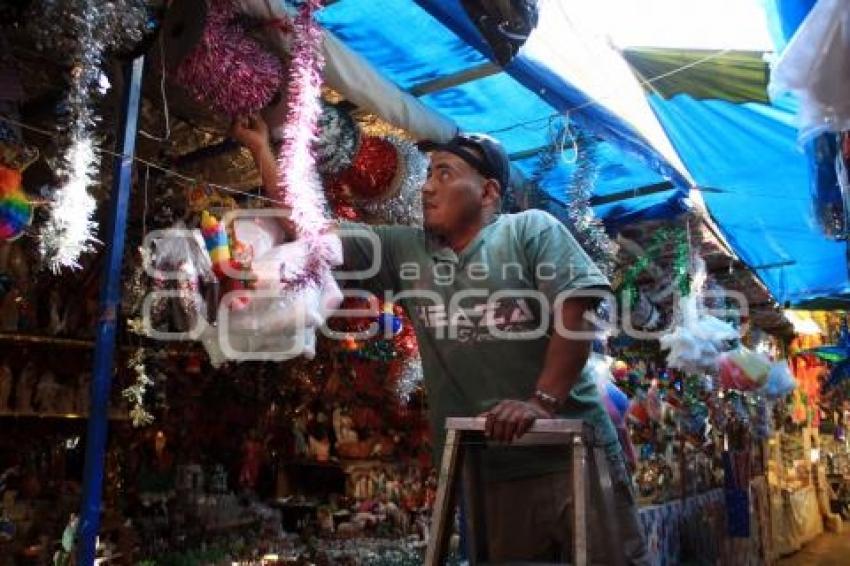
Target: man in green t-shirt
<point>498,302</point>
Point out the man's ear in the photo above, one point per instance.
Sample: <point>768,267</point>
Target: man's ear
<point>492,192</point>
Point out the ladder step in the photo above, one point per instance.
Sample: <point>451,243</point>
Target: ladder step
<point>457,464</point>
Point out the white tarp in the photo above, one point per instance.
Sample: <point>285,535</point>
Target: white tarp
<point>352,76</point>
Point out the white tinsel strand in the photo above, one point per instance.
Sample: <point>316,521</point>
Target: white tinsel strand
<point>410,379</point>
<point>405,207</point>
<point>80,32</point>
<point>69,232</point>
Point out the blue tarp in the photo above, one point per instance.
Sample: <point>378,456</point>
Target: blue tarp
<point>412,43</point>
<point>749,153</point>
<point>746,151</point>
<point>784,17</point>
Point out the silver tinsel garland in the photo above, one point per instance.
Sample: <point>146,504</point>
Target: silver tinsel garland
<point>405,206</point>
<point>58,25</point>
<point>589,230</point>
<point>80,32</point>
<point>577,214</point>
<point>410,379</point>
<point>337,141</point>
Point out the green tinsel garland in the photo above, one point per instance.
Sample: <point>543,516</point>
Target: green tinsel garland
<point>377,351</point>
<point>628,287</point>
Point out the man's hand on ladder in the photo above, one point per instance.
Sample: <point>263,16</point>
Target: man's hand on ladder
<point>510,419</point>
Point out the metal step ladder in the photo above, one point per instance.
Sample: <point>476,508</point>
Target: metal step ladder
<point>461,463</point>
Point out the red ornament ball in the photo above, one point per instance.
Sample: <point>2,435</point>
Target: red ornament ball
<point>372,172</point>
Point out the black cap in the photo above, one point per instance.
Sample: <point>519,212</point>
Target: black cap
<point>492,163</point>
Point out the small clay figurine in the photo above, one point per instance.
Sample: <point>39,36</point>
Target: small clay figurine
<point>318,441</point>
<point>56,324</point>
<point>83,403</point>
<point>5,386</point>
<point>9,311</point>
<point>26,388</point>
<point>252,454</point>
<point>65,401</point>
<point>320,448</point>
<point>299,432</point>
<point>336,421</point>
<point>218,479</point>
<point>325,520</point>
<point>47,393</point>
<point>347,432</point>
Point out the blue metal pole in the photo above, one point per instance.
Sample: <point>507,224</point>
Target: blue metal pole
<point>107,324</point>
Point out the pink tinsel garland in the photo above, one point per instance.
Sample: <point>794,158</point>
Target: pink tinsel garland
<point>228,69</point>
<point>299,187</point>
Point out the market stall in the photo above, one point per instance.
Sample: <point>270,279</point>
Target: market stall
<point>309,443</point>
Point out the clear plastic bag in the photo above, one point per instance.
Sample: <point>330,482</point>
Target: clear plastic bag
<point>181,267</point>
<point>276,323</point>
<point>743,370</point>
<point>695,344</point>
<point>780,380</point>
<point>815,66</point>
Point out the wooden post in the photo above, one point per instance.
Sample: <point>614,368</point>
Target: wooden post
<point>579,502</point>
<point>444,502</point>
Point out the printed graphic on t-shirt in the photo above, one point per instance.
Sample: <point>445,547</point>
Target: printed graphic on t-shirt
<point>481,322</point>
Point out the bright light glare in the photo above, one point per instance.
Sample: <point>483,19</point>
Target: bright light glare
<point>686,24</point>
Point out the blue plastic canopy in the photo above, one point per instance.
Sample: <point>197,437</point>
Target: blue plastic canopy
<point>413,44</point>
<point>784,17</point>
<point>744,150</point>
<point>729,140</point>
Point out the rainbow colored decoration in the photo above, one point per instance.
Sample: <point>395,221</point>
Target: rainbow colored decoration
<point>217,242</point>
<point>16,210</point>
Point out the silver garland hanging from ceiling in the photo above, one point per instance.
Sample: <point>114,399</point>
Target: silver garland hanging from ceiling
<point>573,208</point>
<point>80,33</point>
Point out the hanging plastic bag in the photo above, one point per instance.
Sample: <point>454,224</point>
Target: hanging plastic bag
<point>695,344</point>
<point>181,269</point>
<point>742,369</point>
<point>780,381</point>
<point>816,68</point>
<point>615,401</point>
<point>279,322</point>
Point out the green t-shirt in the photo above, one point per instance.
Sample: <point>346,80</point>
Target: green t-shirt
<point>481,319</point>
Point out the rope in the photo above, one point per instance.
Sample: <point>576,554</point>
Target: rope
<point>645,82</point>
<point>150,164</point>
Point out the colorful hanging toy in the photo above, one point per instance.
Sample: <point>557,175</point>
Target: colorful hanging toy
<point>16,210</point>
<point>233,272</point>
<point>217,242</point>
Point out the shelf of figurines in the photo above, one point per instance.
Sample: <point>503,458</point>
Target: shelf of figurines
<point>14,338</point>
<point>113,416</point>
<point>344,463</point>
<point>186,348</point>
